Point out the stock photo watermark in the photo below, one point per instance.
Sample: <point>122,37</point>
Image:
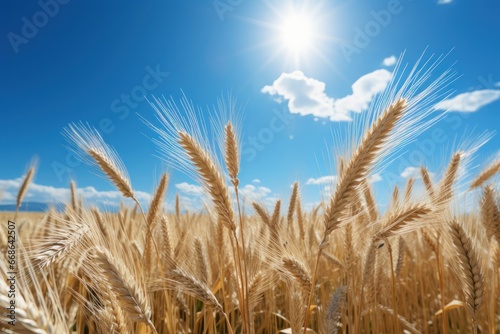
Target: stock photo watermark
<point>253,144</point>
<point>425,148</point>
<point>120,107</point>
<point>11,263</point>
<point>363,36</point>
<point>221,7</point>
<point>31,26</point>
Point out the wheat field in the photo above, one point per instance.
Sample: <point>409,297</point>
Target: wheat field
<point>426,264</point>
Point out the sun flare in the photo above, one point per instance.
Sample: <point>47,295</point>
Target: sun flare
<point>297,33</point>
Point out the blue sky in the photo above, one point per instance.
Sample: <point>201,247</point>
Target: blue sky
<point>68,61</point>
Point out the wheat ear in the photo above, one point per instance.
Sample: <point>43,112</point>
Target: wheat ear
<point>408,189</point>
<point>188,284</point>
<point>113,172</point>
<point>261,212</point>
<point>400,218</point>
<point>427,181</point>
<point>74,198</point>
<point>395,197</point>
<point>274,223</point>
<point>298,272</point>
<point>156,203</point>
<point>370,201</point>
<point>445,188</point>
<point>201,261</point>
<point>471,275</point>
<point>211,178</point>
<point>486,174</point>
<point>54,247</point>
<point>300,218</point>
<point>488,212</point>
<point>177,209</point>
<point>129,293</point>
<point>231,154</point>
<point>24,187</point>
<point>88,140</point>
<point>357,168</point>
<point>291,205</point>
<point>354,172</point>
<point>232,158</point>
<point>154,210</point>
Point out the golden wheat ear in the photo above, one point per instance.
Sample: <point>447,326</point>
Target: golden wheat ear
<point>128,291</point>
<point>88,142</point>
<point>486,174</point>
<point>211,177</point>
<point>26,183</point>
<point>445,191</point>
<point>156,204</point>
<point>470,271</point>
<point>398,220</point>
<point>359,165</point>
<point>427,181</point>
<point>489,213</point>
<point>232,156</point>
<point>291,205</point>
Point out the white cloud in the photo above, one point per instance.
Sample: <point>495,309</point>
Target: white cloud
<point>328,179</point>
<point>363,91</point>
<point>190,189</point>
<point>195,197</point>
<point>411,172</point>
<point>326,191</point>
<point>444,2</point>
<point>375,178</point>
<point>49,194</point>
<point>497,84</point>
<point>471,101</point>
<point>390,61</point>
<point>189,203</point>
<point>252,193</point>
<point>306,96</point>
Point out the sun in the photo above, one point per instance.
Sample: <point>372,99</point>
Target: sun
<point>297,33</point>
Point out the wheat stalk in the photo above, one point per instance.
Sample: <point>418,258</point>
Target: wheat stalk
<point>355,171</point>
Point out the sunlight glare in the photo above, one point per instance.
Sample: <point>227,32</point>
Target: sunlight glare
<point>297,33</point>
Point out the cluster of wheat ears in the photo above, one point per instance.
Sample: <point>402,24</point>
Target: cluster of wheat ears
<point>427,264</point>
